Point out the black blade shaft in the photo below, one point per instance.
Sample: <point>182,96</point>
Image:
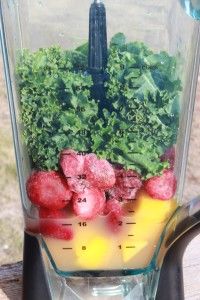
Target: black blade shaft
<point>97,57</point>
<point>97,38</point>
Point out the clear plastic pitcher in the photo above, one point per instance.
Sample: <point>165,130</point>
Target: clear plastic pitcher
<point>101,97</point>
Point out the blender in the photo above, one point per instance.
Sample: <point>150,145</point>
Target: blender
<point>101,95</point>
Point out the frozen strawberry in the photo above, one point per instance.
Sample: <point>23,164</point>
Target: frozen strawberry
<point>48,189</point>
<point>114,212</point>
<point>102,201</point>
<point>54,229</point>
<point>161,187</point>
<point>99,172</point>
<point>45,213</point>
<point>131,179</point>
<point>169,156</point>
<point>127,184</point>
<point>114,222</point>
<point>116,192</point>
<point>130,193</point>
<point>113,205</point>
<point>131,183</point>
<point>78,184</point>
<point>89,204</point>
<point>72,163</point>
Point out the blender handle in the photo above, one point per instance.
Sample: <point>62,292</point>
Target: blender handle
<point>171,285</point>
<point>35,284</point>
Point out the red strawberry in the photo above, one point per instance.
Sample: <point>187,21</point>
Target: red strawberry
<point>89,204</point>
<point>102,202</point>
<point>113,205</point>
<point>130,184</point>
<point>54,229</point>
<point>169,156</point>
<point>71,163</point>
<point>78,184</point>
<point>114,222</point>
<point>127,184</point>
<point>116,192</point>
<point>99,172</point>
<point>162,187</point>
<point>45,213</point>
<point>131,179</point>
<point>48,189</point>
<point>114,212</point>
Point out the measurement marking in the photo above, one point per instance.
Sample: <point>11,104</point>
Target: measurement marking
<point>83,152</point>
<point>67,248</point>
<point>131,235</point>
<point>132,223</point>
<point>130,247</point>
<point>66,224</point>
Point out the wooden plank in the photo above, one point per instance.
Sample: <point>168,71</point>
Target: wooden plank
<point>11,281</point>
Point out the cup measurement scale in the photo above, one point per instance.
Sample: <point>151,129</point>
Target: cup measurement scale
<point>92,236</point>
<point>126,210</point>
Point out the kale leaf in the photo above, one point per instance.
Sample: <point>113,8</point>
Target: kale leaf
<point>139,124</point>
<point>143,89</point>
<point>56,109</point>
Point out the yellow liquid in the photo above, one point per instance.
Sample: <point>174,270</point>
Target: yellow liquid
<point>94,247</point>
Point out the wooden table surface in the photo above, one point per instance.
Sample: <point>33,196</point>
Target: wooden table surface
<point>11,282</point>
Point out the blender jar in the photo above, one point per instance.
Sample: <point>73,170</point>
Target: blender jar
<point>101,96</point>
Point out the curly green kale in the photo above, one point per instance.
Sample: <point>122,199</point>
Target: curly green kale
<point>57,110</point>
<point>144,93</point>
